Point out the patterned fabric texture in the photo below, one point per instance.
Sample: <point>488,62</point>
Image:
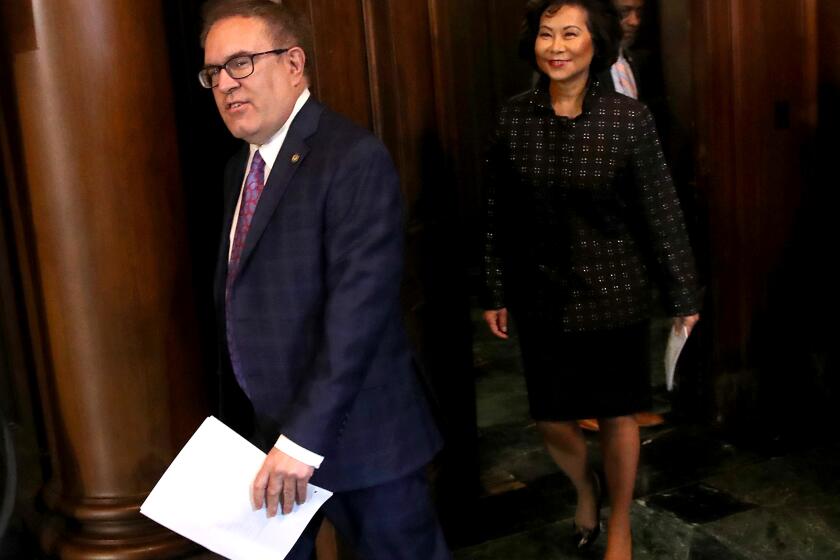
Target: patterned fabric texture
<point>254,184</point>
<point>581,215</point>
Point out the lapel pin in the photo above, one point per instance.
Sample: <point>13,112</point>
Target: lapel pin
<point>295,158</point>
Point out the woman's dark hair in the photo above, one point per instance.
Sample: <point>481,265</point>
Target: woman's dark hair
<point>603,23</point>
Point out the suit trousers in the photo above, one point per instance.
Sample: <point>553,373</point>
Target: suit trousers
<point>390,521</point>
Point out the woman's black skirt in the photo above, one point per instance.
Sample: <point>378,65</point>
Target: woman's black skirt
<point>593,374</point>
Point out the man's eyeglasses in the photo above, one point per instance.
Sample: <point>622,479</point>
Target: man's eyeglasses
<point>238,67</point>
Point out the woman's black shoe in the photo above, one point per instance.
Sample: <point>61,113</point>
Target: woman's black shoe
<point>584,537</point>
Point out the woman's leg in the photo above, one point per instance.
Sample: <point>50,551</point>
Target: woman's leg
<point>620,447</point>
<point>567,446</point>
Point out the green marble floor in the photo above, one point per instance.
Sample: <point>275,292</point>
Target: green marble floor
<point>699,496</point>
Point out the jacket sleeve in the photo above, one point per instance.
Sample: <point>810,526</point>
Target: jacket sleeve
<point>663,221</point>
<point>363,251</point>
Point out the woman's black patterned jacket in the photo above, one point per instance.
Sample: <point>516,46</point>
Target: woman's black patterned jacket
<point>582,215</point>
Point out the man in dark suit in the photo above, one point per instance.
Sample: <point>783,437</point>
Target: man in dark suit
<point>623,75</point>
<point>308,292</point>
<point>636,73</point>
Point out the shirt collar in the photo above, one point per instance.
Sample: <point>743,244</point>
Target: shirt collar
<point>271,148</point>
<point>624,54</point>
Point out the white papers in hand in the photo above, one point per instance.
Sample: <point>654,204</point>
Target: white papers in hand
<point>676,341</point>
<point>205,495</point>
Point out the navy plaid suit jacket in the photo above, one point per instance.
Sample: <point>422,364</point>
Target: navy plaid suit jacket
<point>315,306</point>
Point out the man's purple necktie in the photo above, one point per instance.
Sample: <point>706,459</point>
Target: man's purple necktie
<point>254,184</point>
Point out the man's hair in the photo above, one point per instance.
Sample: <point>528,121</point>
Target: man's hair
<point>602,22</point>
<point>287,28</point>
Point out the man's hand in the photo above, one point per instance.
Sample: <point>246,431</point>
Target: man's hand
<point>282,480</point>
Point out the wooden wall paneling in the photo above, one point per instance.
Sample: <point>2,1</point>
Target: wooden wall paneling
<point>790,231</point>
<point>510,74</point>
<point>755,108</point>
<point>465,109</point>
<point>340,73</point>
<point>750,103</point>
<point>785,99</point>
<point>828,18</point>
<point>808,111</point>
<point>122,373</point>
<point>713,69</point>
<point>406,44</point>
<point>823,201</point>
<point>675,25</point>
<point>775,93</point>
<point>402,92</point>
<point>675,49</point>
<point>382,77</point>
<point>828,83</point>
<point>726,316</point>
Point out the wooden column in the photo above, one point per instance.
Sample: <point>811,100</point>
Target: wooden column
<point>100,233</point>
<point>755,110</point>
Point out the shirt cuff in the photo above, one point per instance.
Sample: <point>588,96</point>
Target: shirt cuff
<point>295,451</point>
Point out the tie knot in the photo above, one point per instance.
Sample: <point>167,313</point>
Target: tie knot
<point>256,172</point>
<point>258,162</point>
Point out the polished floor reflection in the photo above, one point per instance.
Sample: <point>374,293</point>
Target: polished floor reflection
<point>698,496</point>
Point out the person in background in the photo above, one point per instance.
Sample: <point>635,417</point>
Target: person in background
<point>580,218</point>
<point>623,76</point>
<point>636,72</point>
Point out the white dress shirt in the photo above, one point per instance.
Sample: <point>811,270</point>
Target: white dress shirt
<point>269,152</point>
<point>622,75</point>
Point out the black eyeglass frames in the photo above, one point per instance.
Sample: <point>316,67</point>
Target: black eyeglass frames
<point>238,67</point>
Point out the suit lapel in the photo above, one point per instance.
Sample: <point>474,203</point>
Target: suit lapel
<point>289,159</point>
<point>233,186</point>
<point>634,67</point>
<point>234,175</point>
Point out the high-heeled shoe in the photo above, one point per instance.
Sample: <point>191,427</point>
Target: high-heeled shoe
<point>583,537</point>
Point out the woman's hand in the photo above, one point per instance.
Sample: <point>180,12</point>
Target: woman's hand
<point>686,323</point>
<point>497,320</point>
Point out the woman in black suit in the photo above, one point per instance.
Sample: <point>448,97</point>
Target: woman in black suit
<point>581,218</point>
